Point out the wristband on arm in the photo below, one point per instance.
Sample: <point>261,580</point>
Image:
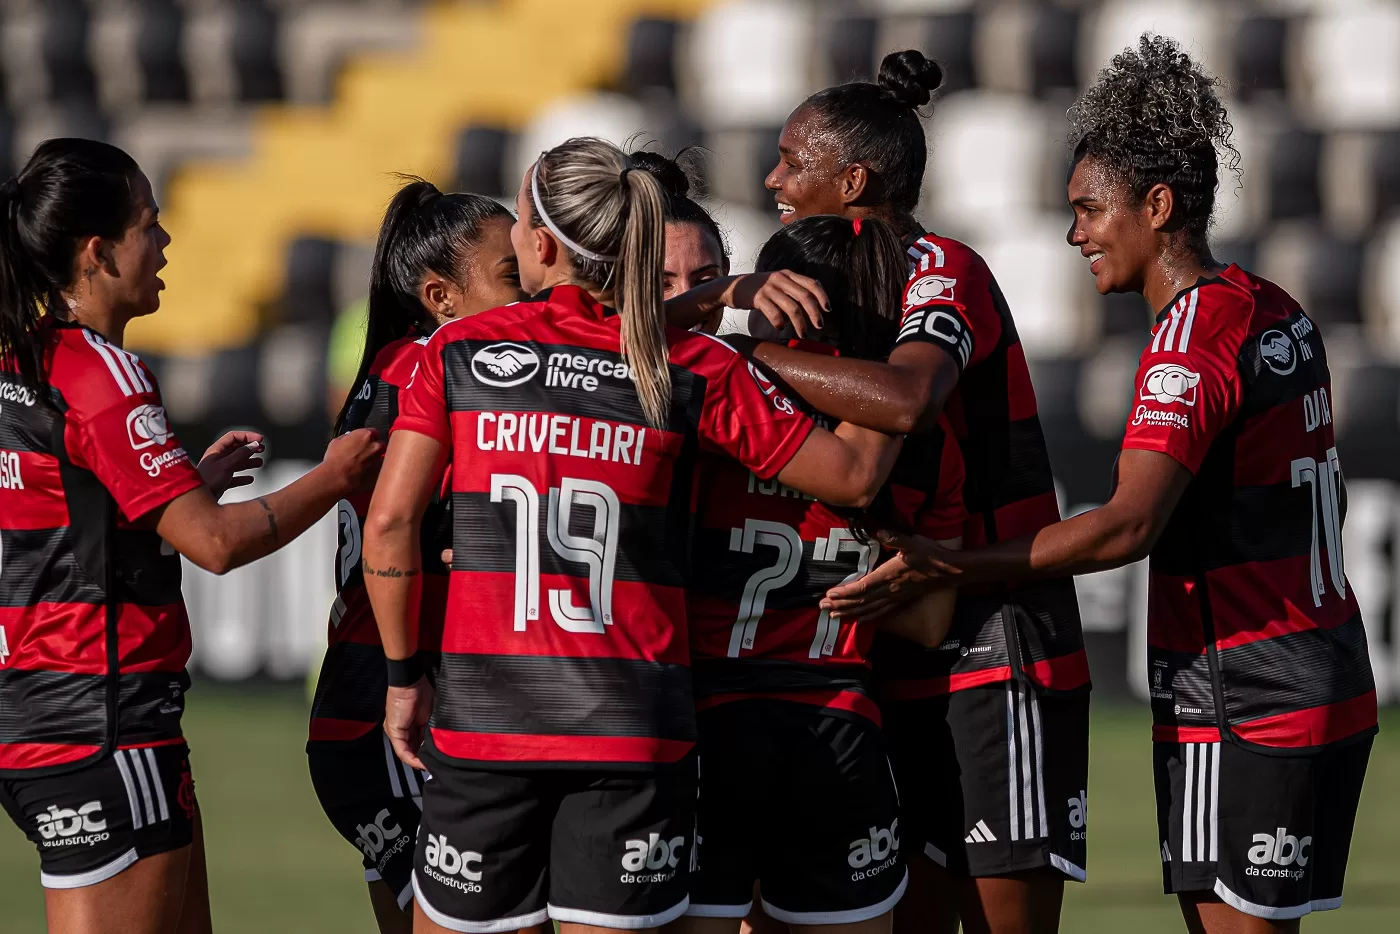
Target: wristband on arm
<point>405,672</point>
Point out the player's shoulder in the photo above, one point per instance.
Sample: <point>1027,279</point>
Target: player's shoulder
<point>396,360</point>
<point>700,352</point>
<point>931,253</point>
<point>1213,315</point>
<point>505,321</point>
<point>92,373</point>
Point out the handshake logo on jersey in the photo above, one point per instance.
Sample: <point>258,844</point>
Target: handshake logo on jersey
<point>505,364</point>
<point>652,860</point>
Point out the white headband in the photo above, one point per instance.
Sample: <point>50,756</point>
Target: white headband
<point>553,227</point>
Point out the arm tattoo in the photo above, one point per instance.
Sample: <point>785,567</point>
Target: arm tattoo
<point>390,571</point>
<point>271,519</point>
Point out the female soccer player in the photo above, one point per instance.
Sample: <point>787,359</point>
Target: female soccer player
<point>1263,701</point>
<point>93,632</point>
<point>1006,696</point>
<point>439,257</point>
<point>563,720</point>
<point>787,722</point>
<point>695,249</point>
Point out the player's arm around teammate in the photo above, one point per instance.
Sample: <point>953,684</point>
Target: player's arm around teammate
<point>554,408</point>
<point>1229,480</point>
<point>439,257</point>
<point>94,767</point>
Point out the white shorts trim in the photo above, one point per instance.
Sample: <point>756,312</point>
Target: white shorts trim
<point>1261,911</point>
<point>839,917</point>
<point>719,911</point>
<point>80,880</point>
<point>624,922</point>
<point>372,875</point>
<point>476,927</point>
<point>935,854</point>
<point>1327,904</point>
<point>1076,873</point>
<point>406,896</point>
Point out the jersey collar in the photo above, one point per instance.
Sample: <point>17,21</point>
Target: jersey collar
<point>1230,273</point>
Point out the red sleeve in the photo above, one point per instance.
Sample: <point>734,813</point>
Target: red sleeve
<point>944,515</point>
<point>1187,388</point>
<point>126,440</point>
<point>951,301</point>
<point>747,418</point>
<point>423,402</point>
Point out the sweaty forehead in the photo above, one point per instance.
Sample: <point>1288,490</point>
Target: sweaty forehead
<point>1093,177</point>
<point>811,137</point>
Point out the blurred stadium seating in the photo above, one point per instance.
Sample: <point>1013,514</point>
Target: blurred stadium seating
<point>271,129</point>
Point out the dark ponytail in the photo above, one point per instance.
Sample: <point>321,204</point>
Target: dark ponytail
<point>862,267</point>
<point>878,124</point>
<point>680,207</point>
<point>423,231</point>
<point>69,190</point>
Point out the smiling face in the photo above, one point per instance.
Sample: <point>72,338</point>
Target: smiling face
<point>138,257</point>
<point>1117,237</point>
<point>810,177</point>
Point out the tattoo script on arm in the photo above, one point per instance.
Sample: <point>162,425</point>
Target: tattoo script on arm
<point>390,571</point>
<point>271,519</point>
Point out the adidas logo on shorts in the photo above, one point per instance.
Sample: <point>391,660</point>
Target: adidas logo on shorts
<point>980,834</point>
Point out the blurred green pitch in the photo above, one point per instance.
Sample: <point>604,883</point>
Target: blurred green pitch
<point>276,865</point>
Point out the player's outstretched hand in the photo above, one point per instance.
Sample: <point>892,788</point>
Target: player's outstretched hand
<point>406,712</point>
<point>354,459</point>
<point>920,566</point>
<point>783,297</point>
<point>223,464</point>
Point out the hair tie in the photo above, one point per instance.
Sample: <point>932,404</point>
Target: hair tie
<point>623,177</point>
<point>855,225</point>
<point>553,227</point>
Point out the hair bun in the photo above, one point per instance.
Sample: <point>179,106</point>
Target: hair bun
<point>668,172</point>
<point>909,77</point>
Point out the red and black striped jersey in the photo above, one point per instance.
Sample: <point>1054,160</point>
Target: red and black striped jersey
<point>350,691</point>
<point>953,301</point>
<point>565,640</point>
<point>1253,630</point>
<point>765,555</point>
<point>93,631</point>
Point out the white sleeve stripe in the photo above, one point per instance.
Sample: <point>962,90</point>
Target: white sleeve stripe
<point>104,352</point>
<point>1190,319</point>
<point>133,370</point>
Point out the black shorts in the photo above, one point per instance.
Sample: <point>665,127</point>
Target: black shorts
<point>1267,834</point>
<point>802,801</point>
<point>502,850</point>
<point>994,779</point>
<point>91,824</point>
<point>375,802</point>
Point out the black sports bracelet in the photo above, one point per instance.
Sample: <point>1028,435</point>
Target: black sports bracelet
<point>404,672</point>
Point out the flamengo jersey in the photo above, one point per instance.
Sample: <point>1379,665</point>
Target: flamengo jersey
<point>766,554</point>
<point>93,632</point>
<point>1253,630</point>
<point>565,641</point>
<point>953,301</point>
<point>350,691</point>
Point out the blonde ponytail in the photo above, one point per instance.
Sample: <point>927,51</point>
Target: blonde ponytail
<point>609,216</point>
<point>639,283</point>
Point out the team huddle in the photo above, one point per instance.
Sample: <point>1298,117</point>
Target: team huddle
<point>642,626</point>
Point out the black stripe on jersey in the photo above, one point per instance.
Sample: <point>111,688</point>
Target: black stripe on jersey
<point>27,427</point>
<point>553,695</point>
<point>1255,523</point>
<point>42,567</point>
<point>994,477</point>
<point>1266,386</point>
<point>142,574</point>
<point>63,708</point>
<point>726,577</point>
<point>484,539</point>
<point>718,676</point>
<point>352,684</point>
<point>1180,687</point>
<point>1262,678</point>
<point>362,405</point>
<point>919,462</point>
<point>613,399</point>
<point>384,409</point>
<point>975,641</point>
